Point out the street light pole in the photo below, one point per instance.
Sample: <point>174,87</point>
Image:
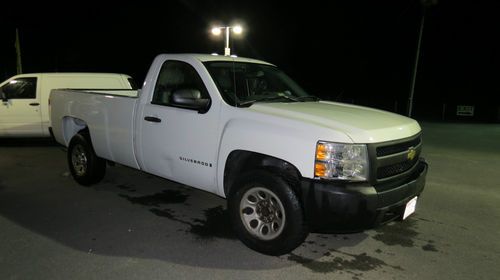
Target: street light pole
<point>415,68</point>
<point>425,4</point>
<point>227,50</point>
<point>227,29</point>
<point>18,54</point>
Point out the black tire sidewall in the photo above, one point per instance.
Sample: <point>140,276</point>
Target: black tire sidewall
<point>95,166</point>
<point>295,229</point>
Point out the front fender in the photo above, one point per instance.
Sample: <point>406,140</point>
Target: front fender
<point>286,140</point>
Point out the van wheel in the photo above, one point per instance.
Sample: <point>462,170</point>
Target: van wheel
<point>85,166</point>
<point>266,213</point>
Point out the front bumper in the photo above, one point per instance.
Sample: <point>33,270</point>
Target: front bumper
<point>344,206</point>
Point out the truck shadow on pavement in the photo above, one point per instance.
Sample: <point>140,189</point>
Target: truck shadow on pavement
<point>214,225</point>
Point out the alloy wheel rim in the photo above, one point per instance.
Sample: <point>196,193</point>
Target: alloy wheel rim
<point>262,213</point>
<point>79,160</point>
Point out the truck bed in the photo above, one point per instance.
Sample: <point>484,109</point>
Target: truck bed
<point>109,114</point>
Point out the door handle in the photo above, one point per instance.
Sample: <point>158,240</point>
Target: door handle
<point>34,104</point>
<point>152,119</point>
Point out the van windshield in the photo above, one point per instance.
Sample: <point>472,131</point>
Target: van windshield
<point>243,83</point>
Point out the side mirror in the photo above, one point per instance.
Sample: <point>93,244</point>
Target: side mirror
<point>190,99</point>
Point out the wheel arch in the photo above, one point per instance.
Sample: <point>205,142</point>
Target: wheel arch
<point>239,161</point>
<point>71,126</point>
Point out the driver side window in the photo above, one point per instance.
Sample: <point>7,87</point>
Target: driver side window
<point>20,88</point>
<point>175,76</point>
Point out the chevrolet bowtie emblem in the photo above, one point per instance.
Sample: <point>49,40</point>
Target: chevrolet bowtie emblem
<point>411,153</point>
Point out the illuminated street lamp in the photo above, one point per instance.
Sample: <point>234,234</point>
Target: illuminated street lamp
<point>237,29</point>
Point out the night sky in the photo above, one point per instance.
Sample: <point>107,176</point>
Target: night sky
<point>348,51</point>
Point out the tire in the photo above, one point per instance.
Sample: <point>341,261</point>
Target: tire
<point>266,214</point>
<point>85,166</point>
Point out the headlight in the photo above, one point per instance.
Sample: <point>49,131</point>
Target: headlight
<point>341,161</point>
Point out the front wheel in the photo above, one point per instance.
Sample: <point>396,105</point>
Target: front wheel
<point>266,213</point>
<point>85,166</point>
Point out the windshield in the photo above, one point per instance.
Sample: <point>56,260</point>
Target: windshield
<point>242,84</point>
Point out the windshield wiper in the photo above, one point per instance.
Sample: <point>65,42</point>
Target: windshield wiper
<point>270,98</point>
<point>303,98</point>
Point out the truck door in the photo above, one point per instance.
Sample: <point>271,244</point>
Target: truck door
<point>20,114</point>
<point>175,142</point>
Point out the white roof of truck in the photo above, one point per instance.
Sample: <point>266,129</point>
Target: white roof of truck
<point>213,57</point>
<point>70,74</point>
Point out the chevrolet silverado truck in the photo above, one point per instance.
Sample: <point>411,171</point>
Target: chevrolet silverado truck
<point>287,162</point>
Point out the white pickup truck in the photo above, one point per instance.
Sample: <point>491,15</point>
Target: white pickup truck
<point>287,162</point>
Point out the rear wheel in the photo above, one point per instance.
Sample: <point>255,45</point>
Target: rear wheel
<point>266,213</point>
<point>85,166</point>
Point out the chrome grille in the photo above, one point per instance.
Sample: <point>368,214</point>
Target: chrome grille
<point>397,148</point>
<point>395,169</point>
<point>392,160</point>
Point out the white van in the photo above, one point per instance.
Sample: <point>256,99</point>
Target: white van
<point>24,108</point>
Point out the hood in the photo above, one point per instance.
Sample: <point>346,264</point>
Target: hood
<point>361,124</point>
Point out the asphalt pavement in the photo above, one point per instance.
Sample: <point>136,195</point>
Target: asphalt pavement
<point>137,226</point>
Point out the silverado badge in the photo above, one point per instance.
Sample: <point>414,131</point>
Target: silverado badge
<point>411,153</point>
